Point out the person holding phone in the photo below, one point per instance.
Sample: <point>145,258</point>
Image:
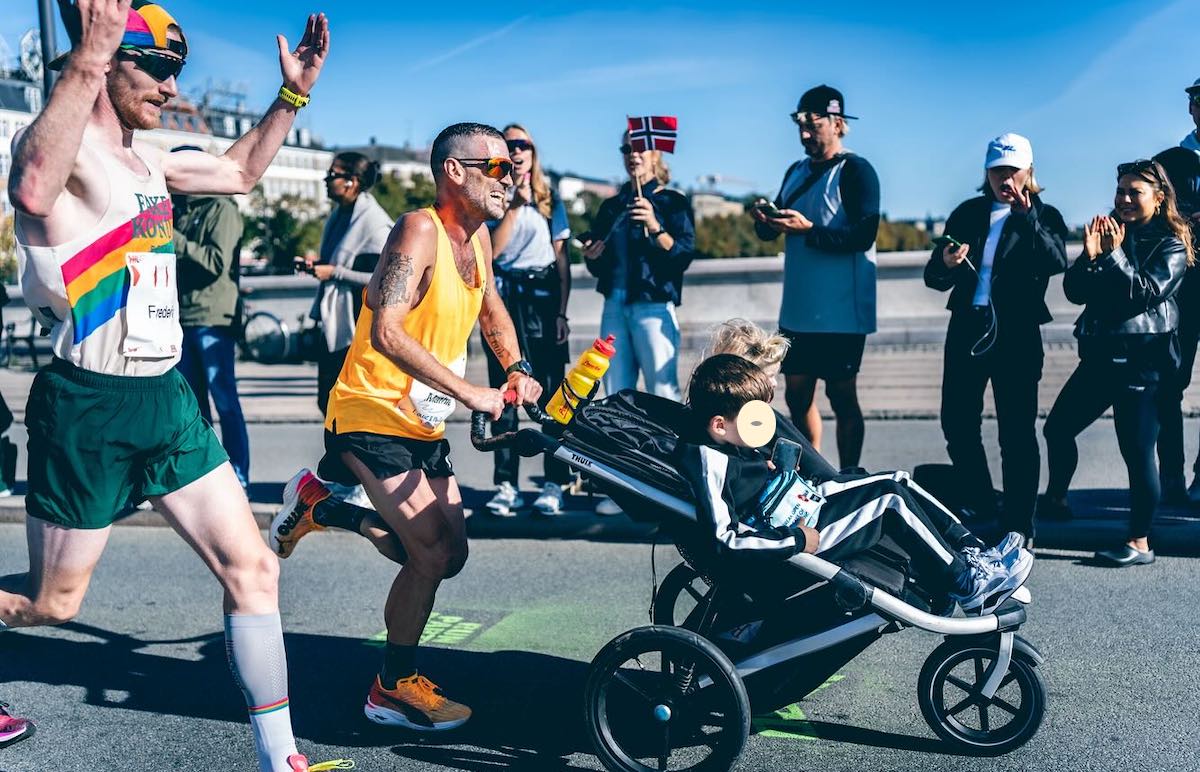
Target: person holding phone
<point>997,256</point>
<point>1127,279</point>
<point>828,211</point>
<point>354,236</point>
<point>641,242</point>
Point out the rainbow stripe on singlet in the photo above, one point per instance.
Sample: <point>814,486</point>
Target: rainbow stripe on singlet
<point>96,279</point>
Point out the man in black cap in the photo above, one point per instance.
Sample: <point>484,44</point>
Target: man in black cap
<point>828,211</point>
<point>1182,165</point>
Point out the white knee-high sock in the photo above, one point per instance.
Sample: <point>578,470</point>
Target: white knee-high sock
<point>254,644</point>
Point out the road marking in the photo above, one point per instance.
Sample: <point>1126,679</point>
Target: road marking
<point>790,722</point>
<point>440,630</point>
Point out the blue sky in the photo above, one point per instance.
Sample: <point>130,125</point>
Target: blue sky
<point>1091,83</point>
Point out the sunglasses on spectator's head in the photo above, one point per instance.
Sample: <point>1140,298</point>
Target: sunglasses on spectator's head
<point>496,168</point>
<point>1140,167</point>
<point>518,144</point>
<point>159,66</point>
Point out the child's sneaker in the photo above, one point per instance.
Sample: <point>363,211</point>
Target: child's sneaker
<point>988,583</point>
<point>505,502</point>
<point>416,703</point>
<point>550,501</point>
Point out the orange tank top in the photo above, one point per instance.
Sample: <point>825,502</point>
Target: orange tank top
<point>373,394</point>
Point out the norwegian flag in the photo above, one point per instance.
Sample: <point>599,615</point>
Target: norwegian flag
<point>653,132</point>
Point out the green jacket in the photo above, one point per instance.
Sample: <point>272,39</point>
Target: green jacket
<point>207,235</point>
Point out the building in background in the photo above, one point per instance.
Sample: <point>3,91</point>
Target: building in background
<point>404,163</point>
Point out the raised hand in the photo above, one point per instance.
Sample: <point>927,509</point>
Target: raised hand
<point>302,67</point>
<point>1091,238</point>
<point>103,25</point>
<point>1022,200</point>
<point>1112,234</point>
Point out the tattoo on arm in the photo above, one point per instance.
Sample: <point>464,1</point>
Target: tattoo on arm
<point>495,340</point>
<point>393,286</point>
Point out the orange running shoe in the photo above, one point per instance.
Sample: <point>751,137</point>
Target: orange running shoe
<point>416,703</point>
<point>294,519</point>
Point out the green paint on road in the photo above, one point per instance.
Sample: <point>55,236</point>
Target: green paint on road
<point>790,722</point>
<point>440,630</point>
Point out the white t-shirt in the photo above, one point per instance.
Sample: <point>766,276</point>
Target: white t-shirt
<point>983,291</point>
<point>530,243</point>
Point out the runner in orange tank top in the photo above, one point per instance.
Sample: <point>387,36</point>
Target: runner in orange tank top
<point>386,419</point>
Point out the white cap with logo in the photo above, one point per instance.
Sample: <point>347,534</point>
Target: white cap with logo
<point>1009,150</point>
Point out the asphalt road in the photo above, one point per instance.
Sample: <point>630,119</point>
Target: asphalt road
<point>140,682</point>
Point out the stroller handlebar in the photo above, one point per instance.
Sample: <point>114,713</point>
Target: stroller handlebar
<point>479,424</point>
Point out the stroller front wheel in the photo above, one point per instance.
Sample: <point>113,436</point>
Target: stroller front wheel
<point>949,691</point>
<point>665,698</point>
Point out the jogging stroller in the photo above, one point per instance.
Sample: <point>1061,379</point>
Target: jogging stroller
<point>677,694</point>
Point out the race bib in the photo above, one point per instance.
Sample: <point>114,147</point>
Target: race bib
<point>152,328</point>
<point>428,405</point>
<point>787,500</point>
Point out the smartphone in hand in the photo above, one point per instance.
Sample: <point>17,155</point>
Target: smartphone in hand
<point>786,455</point>
<point>947,241</point>
<point>770,210</point>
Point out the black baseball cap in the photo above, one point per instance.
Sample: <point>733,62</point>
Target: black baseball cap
<point>823,100</point>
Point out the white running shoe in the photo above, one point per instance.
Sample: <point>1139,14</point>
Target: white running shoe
<point>1006,551</point>
<point>550,501</point>
<point>607,507</point>
<point>992,582</point>
<point>505,502</point>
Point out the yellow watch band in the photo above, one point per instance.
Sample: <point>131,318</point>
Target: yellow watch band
<point>292,98</point>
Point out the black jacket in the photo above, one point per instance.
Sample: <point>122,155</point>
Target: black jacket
<point>1132,289</point>
<point>655,275</point>
<point>1031,250</point>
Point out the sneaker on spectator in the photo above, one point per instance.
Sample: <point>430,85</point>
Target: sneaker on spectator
<point>550,501</point>
<point>607,507</point>
<point>504,503</point>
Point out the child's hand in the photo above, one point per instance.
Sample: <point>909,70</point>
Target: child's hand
<point>812,539</point>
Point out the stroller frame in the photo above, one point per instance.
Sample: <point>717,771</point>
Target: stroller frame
<point>685,648</point>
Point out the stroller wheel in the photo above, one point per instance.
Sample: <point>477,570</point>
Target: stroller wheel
<point>681,598</point>
<point>949,693</point>
<point>663,698</point>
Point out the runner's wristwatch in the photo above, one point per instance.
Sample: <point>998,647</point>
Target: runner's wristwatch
<point>519,366</point>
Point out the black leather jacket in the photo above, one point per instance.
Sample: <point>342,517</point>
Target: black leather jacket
<point>1132,289</point>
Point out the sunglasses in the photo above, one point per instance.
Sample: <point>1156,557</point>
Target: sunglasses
<point>518,144</point>
<point>627,149</point>
<point>157,65</point>
<point>1196,98</point>
<point>1139,167</point>
<point>338,176</point>
<point>806,120</point>
<point>496,168</point>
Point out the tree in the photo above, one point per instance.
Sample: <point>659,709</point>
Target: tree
<point>398,195</point>
<point>8,250</point>
<point>283,229</point>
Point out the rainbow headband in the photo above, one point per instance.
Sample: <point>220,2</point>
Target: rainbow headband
<point>146,27</point>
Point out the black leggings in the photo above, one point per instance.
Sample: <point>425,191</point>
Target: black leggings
<point>1091,389</point>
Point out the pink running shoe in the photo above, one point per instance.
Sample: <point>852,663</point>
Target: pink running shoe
<point>12,728</point>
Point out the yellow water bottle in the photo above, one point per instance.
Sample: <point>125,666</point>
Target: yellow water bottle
<point>580,379</point>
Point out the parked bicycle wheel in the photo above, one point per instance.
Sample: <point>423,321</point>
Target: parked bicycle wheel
<point>266,338</point>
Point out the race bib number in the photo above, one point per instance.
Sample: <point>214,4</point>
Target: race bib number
<point>152,328</point>
<point>430,406</point>
<point>788,500</point>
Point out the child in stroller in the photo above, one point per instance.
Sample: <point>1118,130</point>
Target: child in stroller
<point>753,510</point>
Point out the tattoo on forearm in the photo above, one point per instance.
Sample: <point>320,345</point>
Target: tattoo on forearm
<point>393,286</point>
<point>495,340</point>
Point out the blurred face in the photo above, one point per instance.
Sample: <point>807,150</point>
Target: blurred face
<point>1007,181</point>
<point>639,165</point>
<point>819,135</point>
<point>1137,200</point>
<point>136,96</point>
<point>485,196</point>
<point>340,185</point>
<point>520,150</point>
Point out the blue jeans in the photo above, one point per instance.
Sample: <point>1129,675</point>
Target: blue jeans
<point>647,341</point>
<point>207,365</point>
